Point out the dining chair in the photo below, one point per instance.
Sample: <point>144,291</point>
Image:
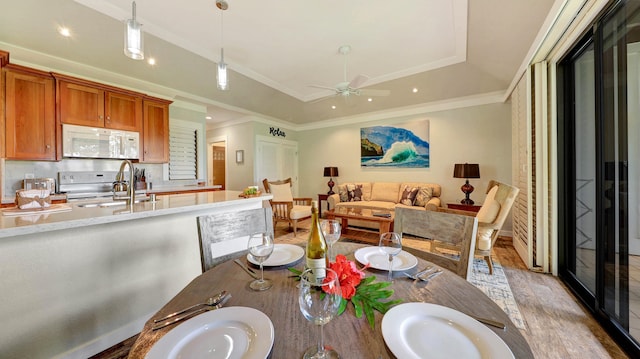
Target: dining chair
<point>224,235</point>
<point>491,216</point>
<point>455,229</point>
<point>285,207</point>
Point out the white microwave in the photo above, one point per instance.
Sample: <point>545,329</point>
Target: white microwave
<point>92,142</point>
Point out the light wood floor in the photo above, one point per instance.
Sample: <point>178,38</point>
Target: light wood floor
<point>557,325</point>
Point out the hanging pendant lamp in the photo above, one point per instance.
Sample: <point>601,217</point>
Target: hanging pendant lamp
<point>133,40</point>
<point>222,80</point>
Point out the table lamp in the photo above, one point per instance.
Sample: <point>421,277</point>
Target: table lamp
<point>331,172</point>
<point>466,170</point>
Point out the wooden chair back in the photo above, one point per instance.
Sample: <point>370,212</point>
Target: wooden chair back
<point>455,229</point>
<point>225,235</point>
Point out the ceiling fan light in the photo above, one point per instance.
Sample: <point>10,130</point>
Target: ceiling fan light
<point>133,40</point>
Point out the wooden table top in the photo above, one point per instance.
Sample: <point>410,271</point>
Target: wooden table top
<point>350,336</point>
<point>365,214</point>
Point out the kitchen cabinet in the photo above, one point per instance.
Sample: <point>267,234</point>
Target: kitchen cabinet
<point>30,127</point>
<point>4,59</point>
<point>155,133</point>
<point>85,103</point>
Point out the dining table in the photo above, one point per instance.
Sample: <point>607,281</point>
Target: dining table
<point>350,336</point>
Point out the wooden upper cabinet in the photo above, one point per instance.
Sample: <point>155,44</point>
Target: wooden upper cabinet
<point>29,114</point>
<point>123,112</point>
<point>86,103</point>
<point>155,138</point>
<point>80,104</point>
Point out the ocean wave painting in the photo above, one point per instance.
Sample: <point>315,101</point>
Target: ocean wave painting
<point>404,146</point>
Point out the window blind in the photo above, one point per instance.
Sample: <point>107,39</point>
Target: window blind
<point>183,154</point>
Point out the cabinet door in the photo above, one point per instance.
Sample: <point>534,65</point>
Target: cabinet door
<point>30,116</point>
<point>155,138</point>
<point>81,105</point>
<point>123,112</point>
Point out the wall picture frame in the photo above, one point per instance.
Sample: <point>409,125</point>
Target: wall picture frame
<point>240,156</point>
<point>403,145</point>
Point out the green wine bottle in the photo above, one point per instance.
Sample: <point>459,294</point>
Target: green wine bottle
<point>316,254</point>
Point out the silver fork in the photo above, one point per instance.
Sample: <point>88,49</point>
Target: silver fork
<point>213,301</point>
<point>224,299</point>
<point>424,279</point>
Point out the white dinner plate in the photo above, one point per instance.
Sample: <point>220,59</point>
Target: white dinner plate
<point>379,260</point>
<point>283,254</point>
<point>424,330</point>
<point>231,332</point>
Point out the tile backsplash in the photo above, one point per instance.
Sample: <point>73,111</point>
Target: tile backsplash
<point>13,172</point>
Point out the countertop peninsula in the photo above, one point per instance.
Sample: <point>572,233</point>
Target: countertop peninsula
<point>78,216</point>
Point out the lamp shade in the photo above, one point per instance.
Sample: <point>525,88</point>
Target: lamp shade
<point>331,171</point>
<point>466,170</point>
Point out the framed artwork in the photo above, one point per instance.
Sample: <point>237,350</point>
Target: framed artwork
<point>240,156</point>
<point>404,146</point>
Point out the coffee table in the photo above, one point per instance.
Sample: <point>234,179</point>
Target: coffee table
<point>385,224</point>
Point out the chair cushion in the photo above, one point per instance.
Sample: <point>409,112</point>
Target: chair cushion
<point>299,212</point>
<point>487,214</point>
<point>423,196</point>
<point>281,192</point>
<point>408,195</point>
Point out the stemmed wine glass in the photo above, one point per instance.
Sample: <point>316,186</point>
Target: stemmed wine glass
<point>260,248</point>
<point>319,301</point>
<point>331,230</point>
<point>390,244</point>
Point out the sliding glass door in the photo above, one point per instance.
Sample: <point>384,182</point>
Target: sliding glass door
<point>599,171</point>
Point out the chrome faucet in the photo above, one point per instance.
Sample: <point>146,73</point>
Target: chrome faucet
<point>117,185</point>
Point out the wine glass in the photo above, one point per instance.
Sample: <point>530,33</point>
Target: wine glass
<point>390,244</point>
<point>260,248</point>
<point>319,301</point>
<point>331,230</point>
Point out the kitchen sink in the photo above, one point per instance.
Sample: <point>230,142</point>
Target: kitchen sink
<point>103,204</point>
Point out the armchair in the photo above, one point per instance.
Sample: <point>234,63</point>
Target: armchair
<point>285,207</point>
<point>491,217</point>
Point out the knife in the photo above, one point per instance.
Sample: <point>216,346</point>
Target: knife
<point>191,314</point>
<point>490,322</point>
<point>246,269</point>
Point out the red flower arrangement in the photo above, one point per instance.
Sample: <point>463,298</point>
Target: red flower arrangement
<point>359,289</point>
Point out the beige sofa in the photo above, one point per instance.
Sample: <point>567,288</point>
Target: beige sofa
<point>385,196</point>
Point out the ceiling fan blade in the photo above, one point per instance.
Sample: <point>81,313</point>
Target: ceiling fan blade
<point>358,81</point>
<point>372,92</point>
<point>323,87</point>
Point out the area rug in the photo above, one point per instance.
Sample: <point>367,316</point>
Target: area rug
<point>495,286</point>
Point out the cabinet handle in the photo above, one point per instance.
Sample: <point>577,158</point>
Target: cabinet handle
<point>100,117</point>
<point>48,146</point>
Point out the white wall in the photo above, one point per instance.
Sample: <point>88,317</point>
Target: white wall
<point>478,134</point>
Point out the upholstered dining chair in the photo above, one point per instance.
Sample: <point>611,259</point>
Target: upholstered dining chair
<point>491,216</point>
<point>225,235</point>
<point>454,229</point>
<point>285,207</point>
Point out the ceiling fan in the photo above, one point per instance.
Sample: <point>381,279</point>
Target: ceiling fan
<point>353,87</point>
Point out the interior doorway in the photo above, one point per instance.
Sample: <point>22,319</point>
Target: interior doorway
<point>218,155</point>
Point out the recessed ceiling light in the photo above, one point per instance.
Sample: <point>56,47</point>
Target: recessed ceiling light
<point>64,31</point>
<point>415,89</point>
<point>370,99</point>
<point>208,117</point>
<point>151,61</point>
<point>333,107</point>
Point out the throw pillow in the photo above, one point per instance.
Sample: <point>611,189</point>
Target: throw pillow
<point>487,214</point>
<point>354,193</point>
<point>423,196</point>
<point>281,192</point>
<point>342,191</point>
<point>408,195</point>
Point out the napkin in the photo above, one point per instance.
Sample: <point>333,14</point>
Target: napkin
<point>33,198</point>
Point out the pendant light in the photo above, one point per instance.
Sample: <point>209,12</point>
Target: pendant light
<point>223,83</point>
<point>133,41</point>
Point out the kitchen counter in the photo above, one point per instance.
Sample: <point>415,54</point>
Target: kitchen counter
<point>77,217</point>
<point>83,280</point>
<point>188,188</point>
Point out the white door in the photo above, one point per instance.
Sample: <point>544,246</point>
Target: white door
<point>277,159</point>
